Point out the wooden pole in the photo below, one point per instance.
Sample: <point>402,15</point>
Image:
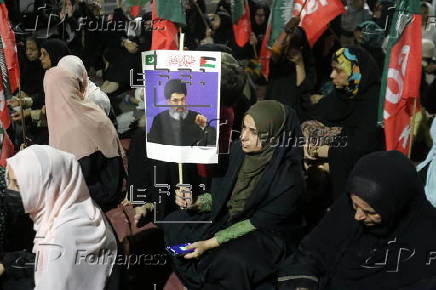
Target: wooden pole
<point>181,47</point>
<point>412,127</point>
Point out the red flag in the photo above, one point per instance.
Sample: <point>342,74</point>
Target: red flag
<point>402,82</point>
<point>165,34</point>
<point>242,28</point>
<point>265,52</point>
<point>316,16</point>
<point>9,48</point>
<point>135,10</point>
<point>7,147</point>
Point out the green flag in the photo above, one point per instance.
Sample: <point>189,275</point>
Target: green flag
<point>171,10</point>
<point>237,10</point>
<point>150,59</point>
<point>281,13</point>
<point>130,3</point>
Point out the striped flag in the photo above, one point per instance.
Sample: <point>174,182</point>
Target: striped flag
<point>206,61</point>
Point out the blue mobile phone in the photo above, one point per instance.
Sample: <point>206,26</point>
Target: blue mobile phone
<point>179,250</point>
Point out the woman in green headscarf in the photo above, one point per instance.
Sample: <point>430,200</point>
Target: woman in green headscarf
<point>254,208</point>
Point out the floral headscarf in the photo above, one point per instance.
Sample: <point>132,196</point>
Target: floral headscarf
<point>349,63</point>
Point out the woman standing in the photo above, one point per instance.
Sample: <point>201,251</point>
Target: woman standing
<point>78,126</point>
<point>69,226</point>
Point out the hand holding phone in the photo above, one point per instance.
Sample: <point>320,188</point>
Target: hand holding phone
<point>179,250</point>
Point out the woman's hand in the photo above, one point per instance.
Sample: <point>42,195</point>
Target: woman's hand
<point>14,103</point>
<point>131,46</point>
<point>307,155</point>
<point>17,116</point>
<point>253,39</point>
<point>141,211</point>
<point>200,248</point>
<point>184,198</point>
<point>296,57</point>
<point>314,99</point>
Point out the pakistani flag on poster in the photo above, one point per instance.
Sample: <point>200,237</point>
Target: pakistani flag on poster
<point>241,21</point>
<point>150,59</point>
<point>401,76</point>
<point>281,13</point>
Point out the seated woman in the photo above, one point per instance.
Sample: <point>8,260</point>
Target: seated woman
<point>250,209</point>
<point>52,50</point>
<point>345,128</point>
<point>380,235</point>
<point>292,68</point>
<point>70,228</point>
<point>78,126</point>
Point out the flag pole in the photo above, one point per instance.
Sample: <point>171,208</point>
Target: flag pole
<point>181,47</point>
<point>412,127</point>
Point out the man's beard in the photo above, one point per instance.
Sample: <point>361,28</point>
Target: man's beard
<point>178,115</point>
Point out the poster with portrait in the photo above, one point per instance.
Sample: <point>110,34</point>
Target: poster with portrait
<point>182,105</point>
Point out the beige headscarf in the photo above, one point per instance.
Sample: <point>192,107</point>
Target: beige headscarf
<point>67,222</point>
<point>76,125</point>
<point>75,65</point>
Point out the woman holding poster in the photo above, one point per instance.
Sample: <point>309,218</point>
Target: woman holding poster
<point>252,209</point>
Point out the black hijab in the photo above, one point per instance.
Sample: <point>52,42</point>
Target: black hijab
<point>56,49</point>
<point>273,203</point>
<point>224,33</point>
<point>32,75</point>
<point>259,29</point>
<point>392,188</point>
<point>345,254</point>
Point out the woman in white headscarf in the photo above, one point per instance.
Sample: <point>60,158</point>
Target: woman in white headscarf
<point>427,169</point>
<point>78,126</point>
<point>75,65</point>
<point>74,245</point>
<point>428,28</point>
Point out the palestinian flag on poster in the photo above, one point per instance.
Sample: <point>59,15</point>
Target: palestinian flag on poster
<point>166,14</point>
<point>316,15</point>
<point>281,13</point>
<point>241,21</point>
<point>206,61</point>
<point>401,76</point>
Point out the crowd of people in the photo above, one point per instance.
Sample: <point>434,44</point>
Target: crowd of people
<point>81,199</point>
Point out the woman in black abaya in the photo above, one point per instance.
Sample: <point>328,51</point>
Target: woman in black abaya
<point>386,243</point>
<point>350,109</point>
<point>251,208</point>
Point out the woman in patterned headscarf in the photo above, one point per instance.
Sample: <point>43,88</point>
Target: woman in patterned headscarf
<point>348,115</point>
